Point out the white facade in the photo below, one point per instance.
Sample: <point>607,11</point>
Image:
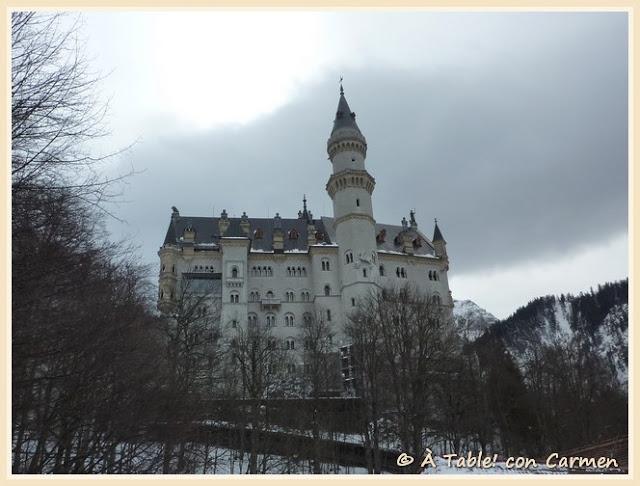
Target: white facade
<point>281,271</point>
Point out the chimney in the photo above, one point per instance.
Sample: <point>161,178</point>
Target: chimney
<point>244,223</point>
<point>278,234</point>
<point>223,223</point>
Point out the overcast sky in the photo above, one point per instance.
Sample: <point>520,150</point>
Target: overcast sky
<point>510,128</point>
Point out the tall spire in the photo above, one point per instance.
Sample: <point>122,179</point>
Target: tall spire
<point>437,235</point>
<point>305,214</point>
<point>345,118</point>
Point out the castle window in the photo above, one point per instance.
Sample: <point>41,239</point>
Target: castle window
<point>269,272</point>
<point>234,323</point>
<point>253,319</point>
<point>235,298</point>
<point>306,318</point>
<point>364,272</point>
<point>173,269</point>
<point>257,234</point>
<point>298,272</point>
<point>290,344</point>
<point>381,270</point>
<point>325,265</point>
<point>289,320</point>
<point>234,272</point>
<point>290,296</point>
<point>358,202</point>
<point>327,290</point>
<point>270,295</point>
<point>293,234</point>
<point>349,257</point>
<point>398,271</point>
<point>162,269</point>
<point>353,302</point>
<point>436,299</point>
<point>304,271</point>
<point>403,273</point>
<point>271,320</point>
<point>328,314</point>
<point>161,293</point>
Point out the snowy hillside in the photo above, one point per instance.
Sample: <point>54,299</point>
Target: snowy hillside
<point>471,319</point>
<point>597,321</point>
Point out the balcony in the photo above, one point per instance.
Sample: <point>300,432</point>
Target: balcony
<point>270,302</point>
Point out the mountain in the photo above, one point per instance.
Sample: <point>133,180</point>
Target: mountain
<point>595,322</point>
<point>471,320</point>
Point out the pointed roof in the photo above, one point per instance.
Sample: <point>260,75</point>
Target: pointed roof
<point>437,234</point>
<point>345,118</point>
<point>344,124</point>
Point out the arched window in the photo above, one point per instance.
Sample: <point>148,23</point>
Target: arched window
<point>270,295</point>
<point>257,234</point>
<point>298,272</point>
<point>162,269</point>
<point>235,297</point>
<point>327,290</point>
<point>325,265</point>
<point>293,234</point>
<point>304,271</point>
<point>253,319</point>
<point>289,320</point>
<point>270,272</point>
<point>306,318</point>
<point>290,344</point>
<point>398,271</point>
<point>271,320</point>
<point>403,273</point>
<point>234,272</point>
<point>349,257</point>
<point>436,299</point>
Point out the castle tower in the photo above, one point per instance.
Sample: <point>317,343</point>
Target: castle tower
<point>350,188</point>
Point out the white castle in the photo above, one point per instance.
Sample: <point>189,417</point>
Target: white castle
<point>281,272</point>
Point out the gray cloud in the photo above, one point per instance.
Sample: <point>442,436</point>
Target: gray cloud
<point>521,157</point>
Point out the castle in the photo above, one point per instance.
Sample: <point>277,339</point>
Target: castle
<point>282,271</point>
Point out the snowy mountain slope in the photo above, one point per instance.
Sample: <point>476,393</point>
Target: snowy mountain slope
<point>596,321</point>
<point>471,320</point>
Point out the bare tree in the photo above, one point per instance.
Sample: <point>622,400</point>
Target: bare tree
<point>56,113</point>
<point>193,357</point>
<point>320,371</point>
<point>260,360</point>
<point>403,340</point>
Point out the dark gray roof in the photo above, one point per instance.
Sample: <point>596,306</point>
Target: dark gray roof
<point>437,235</point>
<point>207,232</point>
<point>390,243</point>
<point>345,118</point>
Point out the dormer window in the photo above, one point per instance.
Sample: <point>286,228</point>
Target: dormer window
<point>257,234</point>
<point>293,234</point>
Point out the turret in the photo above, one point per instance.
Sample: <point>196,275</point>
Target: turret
<point>350,188</point>
<point>439,242</point>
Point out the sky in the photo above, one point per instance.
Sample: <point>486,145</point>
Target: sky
<point>510,127</point>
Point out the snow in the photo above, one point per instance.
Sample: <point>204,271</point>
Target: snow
<point>471,319</point>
